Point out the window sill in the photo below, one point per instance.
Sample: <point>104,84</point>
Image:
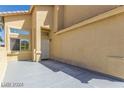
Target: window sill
<point>13,53</point>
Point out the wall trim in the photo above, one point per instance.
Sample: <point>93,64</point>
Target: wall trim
<point>99,17</point>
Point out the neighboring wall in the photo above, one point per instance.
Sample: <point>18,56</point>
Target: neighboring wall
<point>3,62</point>
<point>61,19</point>
<point>98,46</point>
<point>20,22</point>
<point>76,13</point>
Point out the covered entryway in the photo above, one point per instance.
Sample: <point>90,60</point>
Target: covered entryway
<point>45,44</point>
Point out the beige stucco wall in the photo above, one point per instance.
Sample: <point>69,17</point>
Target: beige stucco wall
<point>98,46</point>
<point>76,13</point>
<point>45,15</point>
<point>3,62</point>
<point>61,18</point>
<point>21,22</point>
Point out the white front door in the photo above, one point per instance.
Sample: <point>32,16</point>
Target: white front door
<point>45,48</point>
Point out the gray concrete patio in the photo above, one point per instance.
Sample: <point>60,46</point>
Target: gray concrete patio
<point>53,74</point>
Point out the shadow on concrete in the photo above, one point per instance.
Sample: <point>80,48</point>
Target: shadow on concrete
<point>84,75</point>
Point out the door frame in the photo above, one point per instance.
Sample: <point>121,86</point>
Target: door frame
<point>45,35</point>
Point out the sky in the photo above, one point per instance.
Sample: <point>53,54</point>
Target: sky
<point>13,7</point>
<point>4,8</point>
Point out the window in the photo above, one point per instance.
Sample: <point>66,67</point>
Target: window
<point>15,44</point>
<point>19,44</point>
<point>24,44</point>
<point>2,41</point>
<point>19,31</point>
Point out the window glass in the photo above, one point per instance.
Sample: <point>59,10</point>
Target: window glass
<point>1,20</point>
<point>19,31</point>
<point>24,44</point>
<point>14,44</point>
<point>2,43</point>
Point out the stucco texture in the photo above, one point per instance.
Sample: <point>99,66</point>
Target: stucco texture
<point>3,62</point>
<point>98,46</point>
<point>69,15</point>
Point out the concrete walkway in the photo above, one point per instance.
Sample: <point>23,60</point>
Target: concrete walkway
<point>52,74</point>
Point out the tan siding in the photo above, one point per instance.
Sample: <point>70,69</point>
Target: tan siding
<point>3,62</point>
<point>76,13</point>
<point>98,46</point>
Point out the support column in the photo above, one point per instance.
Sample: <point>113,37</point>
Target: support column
<point>38,44</point>
<point>33,35</point>
<point>56,10</point>
<point>36,37</point>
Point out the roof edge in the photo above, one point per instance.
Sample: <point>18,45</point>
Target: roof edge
<point>12,13</point>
